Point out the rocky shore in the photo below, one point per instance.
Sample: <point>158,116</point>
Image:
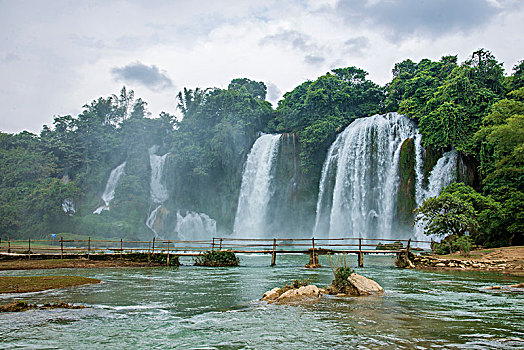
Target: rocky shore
<point>501,263</point>
<point>355,285</point>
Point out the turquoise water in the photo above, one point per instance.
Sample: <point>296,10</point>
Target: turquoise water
<point>218,308</point>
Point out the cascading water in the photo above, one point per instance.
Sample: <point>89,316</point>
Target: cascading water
<point>68,207</point>
<point>442,174</point>
<point>256,189</point>
<point>157,190</point>
<point>195,226</point>
<point>364,161</point>
<point>151,220</point>
<point>112,182</point>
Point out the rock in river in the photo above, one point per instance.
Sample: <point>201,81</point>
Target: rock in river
<point>357,285</point>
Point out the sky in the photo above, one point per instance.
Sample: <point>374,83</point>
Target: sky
<point>58,55</point>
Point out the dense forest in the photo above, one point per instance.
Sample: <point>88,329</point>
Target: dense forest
<point>52,182</point>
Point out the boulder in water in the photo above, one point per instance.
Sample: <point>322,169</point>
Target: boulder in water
<point>357,285</point>
<point>304,293</point>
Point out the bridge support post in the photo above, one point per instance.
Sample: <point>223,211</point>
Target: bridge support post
<point>360,256</point>
<point>167,253</point>
<point>274,253</point>
<point>313,257</point>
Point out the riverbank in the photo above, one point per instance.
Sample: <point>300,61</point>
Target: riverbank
<point>81,263</point>
<point>507,260</point>
<point>27,284</point>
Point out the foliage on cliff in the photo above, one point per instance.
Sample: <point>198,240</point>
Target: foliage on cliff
<point>472,107</point>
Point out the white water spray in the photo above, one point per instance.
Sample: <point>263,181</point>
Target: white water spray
<point>364,159</point>
<point>112,182</point>
<point>195,226</point>
<point>158,190</point>
<point>256,190</point>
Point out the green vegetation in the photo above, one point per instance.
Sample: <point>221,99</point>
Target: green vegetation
<point>155,258</point>
<point>472,107</point>
<point>389,246</point>
<point>295,285</point>
<point>453,244</point>
<point>9,284</point>
<point>341,270</point>
<point>217,258</point>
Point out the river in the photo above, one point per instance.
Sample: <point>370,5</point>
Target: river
<point>218,308</point>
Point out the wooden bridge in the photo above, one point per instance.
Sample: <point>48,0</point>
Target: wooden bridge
<point>314,247</point>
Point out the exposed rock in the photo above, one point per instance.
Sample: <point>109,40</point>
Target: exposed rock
<point>272,294</point>
<point>280,295</point>
<point>520,285</point>
<point>356,285</point>
<point>302,293</point>
<point>18,306</point>
<point>494,287</point>
<point>440,265</point>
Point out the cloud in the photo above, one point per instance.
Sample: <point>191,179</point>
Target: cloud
<point>314,60</point>
<point>273,92</point>
<point>296,40</point>
<point>356,45</point>
<point>405,18</point>
<point>149,76</point>
<point>10,57</point>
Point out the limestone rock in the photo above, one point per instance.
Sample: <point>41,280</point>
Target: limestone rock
<point>494,287</point>
<point>302,293</point>
<point>277,295</point>
<point>357,285</point>
<point>272,294</point>
<point>364,286</point>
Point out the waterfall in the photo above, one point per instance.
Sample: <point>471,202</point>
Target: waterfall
<point>68,207</point>
<point>195,226</point>
<point>112,182</point>
<point>256,189</point>
<point>359,178</point>
<point>150,222</point>
<point>442,175</point>
<point>158,190</point>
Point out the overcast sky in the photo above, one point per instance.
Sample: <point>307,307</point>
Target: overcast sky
<point>56,56</point>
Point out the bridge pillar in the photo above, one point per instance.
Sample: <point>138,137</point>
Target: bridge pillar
<point>360,257</point>
<point>274,253</point>
<point>313,259</point>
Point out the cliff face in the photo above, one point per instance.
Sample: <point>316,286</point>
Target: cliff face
<point>292,205</point>
<point>406,200</point>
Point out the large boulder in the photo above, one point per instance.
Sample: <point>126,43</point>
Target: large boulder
<point>272,294</point>
<point>357,285</point>
<point>304,293</point>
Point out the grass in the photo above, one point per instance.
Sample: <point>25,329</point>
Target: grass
<point>10,284</point>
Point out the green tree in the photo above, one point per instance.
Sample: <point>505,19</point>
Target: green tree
<point>446,214</point>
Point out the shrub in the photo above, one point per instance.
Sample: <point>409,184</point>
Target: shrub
<point>451,244</point>
<point>340,270</point>
<point>217,258</point>
<point>153,258</point>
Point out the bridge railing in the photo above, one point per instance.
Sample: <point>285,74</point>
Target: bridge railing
<point>193,247</point>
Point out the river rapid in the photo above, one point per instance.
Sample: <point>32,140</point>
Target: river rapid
<point>218,308</point>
